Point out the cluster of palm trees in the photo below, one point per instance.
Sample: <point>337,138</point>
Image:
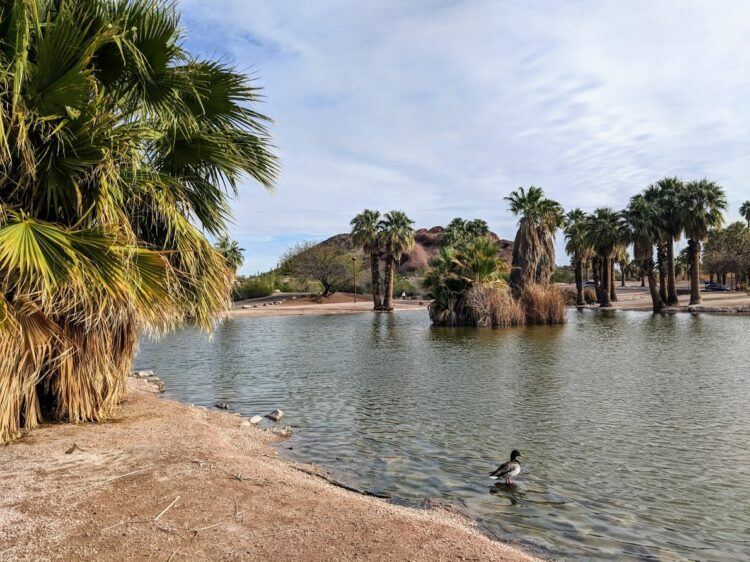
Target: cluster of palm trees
<point>653,221</point>
<point>389,236</point>
<point>119,150</point>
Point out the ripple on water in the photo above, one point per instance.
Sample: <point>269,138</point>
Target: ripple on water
<point>634,427</point>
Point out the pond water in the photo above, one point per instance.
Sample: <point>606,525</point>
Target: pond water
<point>635,428</point>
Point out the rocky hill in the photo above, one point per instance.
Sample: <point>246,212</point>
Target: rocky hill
<point>426,245</point>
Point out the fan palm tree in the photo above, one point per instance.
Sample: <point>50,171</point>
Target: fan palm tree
<point>396,237</point>
<point>577,247</point>
<point>702,206</point>
<point>745,212</point>
<point>653,194</point>
<point>668,197</point>
<point>119,150</point>
<point>534,245</point>
<point>623,260</point>
<point>366,235</point>
<point>644,226</point>
<point>231,252</point>
<point>604,231</point>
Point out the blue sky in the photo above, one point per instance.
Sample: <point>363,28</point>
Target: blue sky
<point>441,108</point>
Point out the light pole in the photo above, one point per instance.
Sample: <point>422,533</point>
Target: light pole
<point>354,274</point>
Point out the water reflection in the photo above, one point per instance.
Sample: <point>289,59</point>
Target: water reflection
<point>616,414</point>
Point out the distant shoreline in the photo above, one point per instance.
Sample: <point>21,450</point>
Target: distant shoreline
<point>338,303</point>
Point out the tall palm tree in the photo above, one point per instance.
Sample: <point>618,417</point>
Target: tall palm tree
<point>604,231</point>
<point>119,150</point>
<point>534,246</point>
<point>366,235</point>
<point>577,247</point>
<point>653,194</point>
<point>396,237</point>
<point>643,220</point>
<point>668,197</point>
<point>745,212</point>
<point>702,205</point>
<point>231,252</point>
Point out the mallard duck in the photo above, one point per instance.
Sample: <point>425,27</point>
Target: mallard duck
<point>509,469</point>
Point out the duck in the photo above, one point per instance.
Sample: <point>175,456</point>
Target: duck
<point>509,469</point>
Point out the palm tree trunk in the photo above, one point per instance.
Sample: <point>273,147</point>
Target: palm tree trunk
<point>643,280</point>
<point>605,282</point>
<point>648,269</point>
<point>596,273</point>
<point>375,270</point>
<point>612,291</point>
<point>661,261</point>
<point>622,274</point>
<point>388,300</point>
<point>694,247</point>
<point>672,299</point>
<point>580,301</point>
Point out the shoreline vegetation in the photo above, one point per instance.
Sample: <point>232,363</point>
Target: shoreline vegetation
<point>171,481</point>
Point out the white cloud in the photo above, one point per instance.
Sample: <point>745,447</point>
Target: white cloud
<point>441,108</point>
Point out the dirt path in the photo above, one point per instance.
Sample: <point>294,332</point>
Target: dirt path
<point>166,481</point>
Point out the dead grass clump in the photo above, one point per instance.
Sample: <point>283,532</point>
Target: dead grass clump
<point>543,304</point>
<point>589,296</point>
<point>494,307</point>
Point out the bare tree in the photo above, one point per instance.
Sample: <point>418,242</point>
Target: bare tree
<point>329,264</point>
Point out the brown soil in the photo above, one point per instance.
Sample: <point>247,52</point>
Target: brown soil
<point>107,492</point>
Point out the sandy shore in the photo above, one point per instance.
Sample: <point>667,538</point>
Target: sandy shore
<point>166,481</point>
<point>634,297</point>
<point>338,304</point>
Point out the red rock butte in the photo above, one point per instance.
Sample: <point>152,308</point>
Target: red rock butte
<point>426,245</point>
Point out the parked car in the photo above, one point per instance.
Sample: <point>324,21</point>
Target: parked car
<point>589,284</point>
<point>715,287</point>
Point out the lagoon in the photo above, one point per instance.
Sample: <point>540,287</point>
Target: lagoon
<point>635,428</point>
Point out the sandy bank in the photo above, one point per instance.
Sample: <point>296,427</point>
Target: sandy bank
<point>112,497</point>
<point>635,297</point>
<point>337,305</point>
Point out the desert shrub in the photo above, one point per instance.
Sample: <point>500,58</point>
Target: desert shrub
<point>253,287</point>
<point>543,304</point>
<point>589,295</point>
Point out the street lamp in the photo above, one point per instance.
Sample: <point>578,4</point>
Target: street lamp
<point>354,274</point>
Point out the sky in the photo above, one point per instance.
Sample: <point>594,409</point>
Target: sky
<point>441,108</point>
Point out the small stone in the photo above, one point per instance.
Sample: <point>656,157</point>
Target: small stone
<point>255,420</point>
<point>222,406</point>
<point>276,415</point>
<point>143,374</point>
<point>285,431</point>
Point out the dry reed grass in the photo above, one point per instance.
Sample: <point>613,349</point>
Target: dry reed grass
<point>543,304</point>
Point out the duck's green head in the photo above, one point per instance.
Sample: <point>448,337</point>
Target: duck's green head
<point>515,454</point>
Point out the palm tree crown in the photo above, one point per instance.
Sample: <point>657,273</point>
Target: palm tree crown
<point>745,211</point>
<point>118,149</point>
<point>703,203</point>
<point>366,230</point>
<point>397,233</point>
<point>231,251</point>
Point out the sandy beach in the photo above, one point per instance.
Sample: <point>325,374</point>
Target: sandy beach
<point>167,481</point>
<point>635,297</point>
<point>338,303</point>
